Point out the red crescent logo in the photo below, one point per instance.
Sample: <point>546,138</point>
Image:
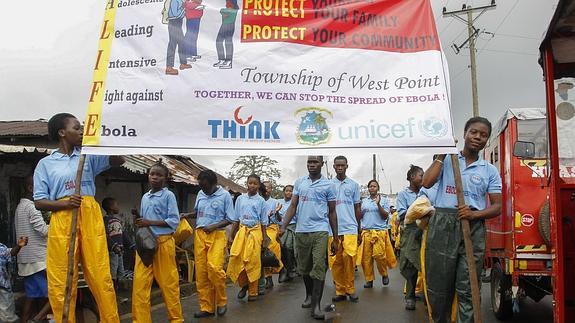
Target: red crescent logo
<point>240,120</point>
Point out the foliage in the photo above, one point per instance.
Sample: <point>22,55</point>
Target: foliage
<point>262,166</point>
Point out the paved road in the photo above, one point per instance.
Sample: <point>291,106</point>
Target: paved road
<point>380,304</point>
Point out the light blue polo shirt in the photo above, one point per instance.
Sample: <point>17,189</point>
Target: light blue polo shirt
<point>161,206</point>
<point>214,208</point>
<point>404,199</point>
<point>312,209</point>
<point>271,205</point>
<point>479,179</point>
<point>431,193</point>
<point>55,175</point>
<point>371,219</point>
<point>250,210</point>
<point>347,195</point>
<point>285,206</point>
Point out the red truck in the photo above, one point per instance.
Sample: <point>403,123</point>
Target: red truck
<point>518,242</point>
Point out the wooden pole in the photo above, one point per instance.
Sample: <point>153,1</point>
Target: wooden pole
<point>468,244</point>
<point>72,247</point>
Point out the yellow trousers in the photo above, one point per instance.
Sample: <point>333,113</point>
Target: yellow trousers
<point>342,265</point>
<point>245,263</point>
<point>272,231</point>
<point>164,270</point>
<point>209,254</point>
<point>91,250</point>
<point>376,245</point>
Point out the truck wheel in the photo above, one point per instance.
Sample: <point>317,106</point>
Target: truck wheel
<point>501,302</point>
<point>544,223</point>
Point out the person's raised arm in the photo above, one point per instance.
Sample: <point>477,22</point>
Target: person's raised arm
<point>432,173</point>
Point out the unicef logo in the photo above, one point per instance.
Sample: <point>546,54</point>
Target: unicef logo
<point>476,179</point>
<point>433,127</point>
<point>215,205</point>
<point>347,192</point>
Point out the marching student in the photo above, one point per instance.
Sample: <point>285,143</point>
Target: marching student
<point>348,208</point>
<point>214,211</point>
<point>248,236</point>
<point>445,260</point>
<point>54,185</point>
<point>314,199</point>
<point>288,239</point>
<point>410,244</point>
<point>159,212</point>
<point>272,210</point>
<point>375,242</point>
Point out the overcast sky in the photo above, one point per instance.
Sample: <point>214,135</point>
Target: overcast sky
<point>47,55</point>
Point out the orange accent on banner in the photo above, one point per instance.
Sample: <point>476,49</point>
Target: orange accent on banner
<point>392,25</point>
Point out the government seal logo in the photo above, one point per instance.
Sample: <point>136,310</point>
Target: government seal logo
<point>313,129</point>
<point>433,127</point>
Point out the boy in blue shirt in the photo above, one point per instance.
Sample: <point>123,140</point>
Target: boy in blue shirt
<point>159,212</point>
<point>314,199</point>
<point>348,209</point>
<point>445,260</point>
<point>7,308</point>
<point>214,211</point>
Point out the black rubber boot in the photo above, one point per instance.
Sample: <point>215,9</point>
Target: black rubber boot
<point>286,260</point>
<point>316,311</point>
<point>308,291</point>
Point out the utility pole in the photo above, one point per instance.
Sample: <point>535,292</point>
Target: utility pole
<point>374,169</point>
<point>472,34</point>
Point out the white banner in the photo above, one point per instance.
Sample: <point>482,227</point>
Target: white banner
<point>268,77</point>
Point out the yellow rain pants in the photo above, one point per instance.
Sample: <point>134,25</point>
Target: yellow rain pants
<point>342,264</point>
<point>245,263</point>
<point>91,250</point>
<point>375,245</point>
<point>275,247</point>
<point>209,253</point>
<point>163,269</point>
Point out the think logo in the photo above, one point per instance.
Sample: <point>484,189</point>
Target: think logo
<point>313,129</point>
<point>243,128</point>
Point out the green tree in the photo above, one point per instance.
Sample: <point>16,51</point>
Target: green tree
<point>263,166</point>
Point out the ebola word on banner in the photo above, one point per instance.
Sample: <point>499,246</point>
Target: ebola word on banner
<point>268,77</point>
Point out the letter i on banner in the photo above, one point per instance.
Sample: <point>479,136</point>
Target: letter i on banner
<point>93,118</point>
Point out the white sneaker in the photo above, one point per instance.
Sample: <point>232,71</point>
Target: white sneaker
<point>226,65</point>
<point>219,63</point>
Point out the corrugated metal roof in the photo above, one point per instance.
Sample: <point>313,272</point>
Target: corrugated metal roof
<point>180,172</point>
<point>24,128</point>
<point>11,149</point>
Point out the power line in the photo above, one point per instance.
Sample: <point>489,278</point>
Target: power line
<point>499,26</point>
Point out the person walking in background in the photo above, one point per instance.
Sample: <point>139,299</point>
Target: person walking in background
<point>375,242</point>
<point>159,212</point>
<point>7,308</point>
<point>224,39</point>
<point>288,239</point>
<point>214,211</point>
<point>272,210</point>
<point>115,237</point>
<point>32,259</point>
<point>409,259</point>
<point>249,237</point>
<point>348,208</point>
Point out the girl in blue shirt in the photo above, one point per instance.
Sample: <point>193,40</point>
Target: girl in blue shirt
<point>54,190</point>
<point>376,244</point>
<point>159,211</point>
<point>445,260</point>
<point>249,236</point>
